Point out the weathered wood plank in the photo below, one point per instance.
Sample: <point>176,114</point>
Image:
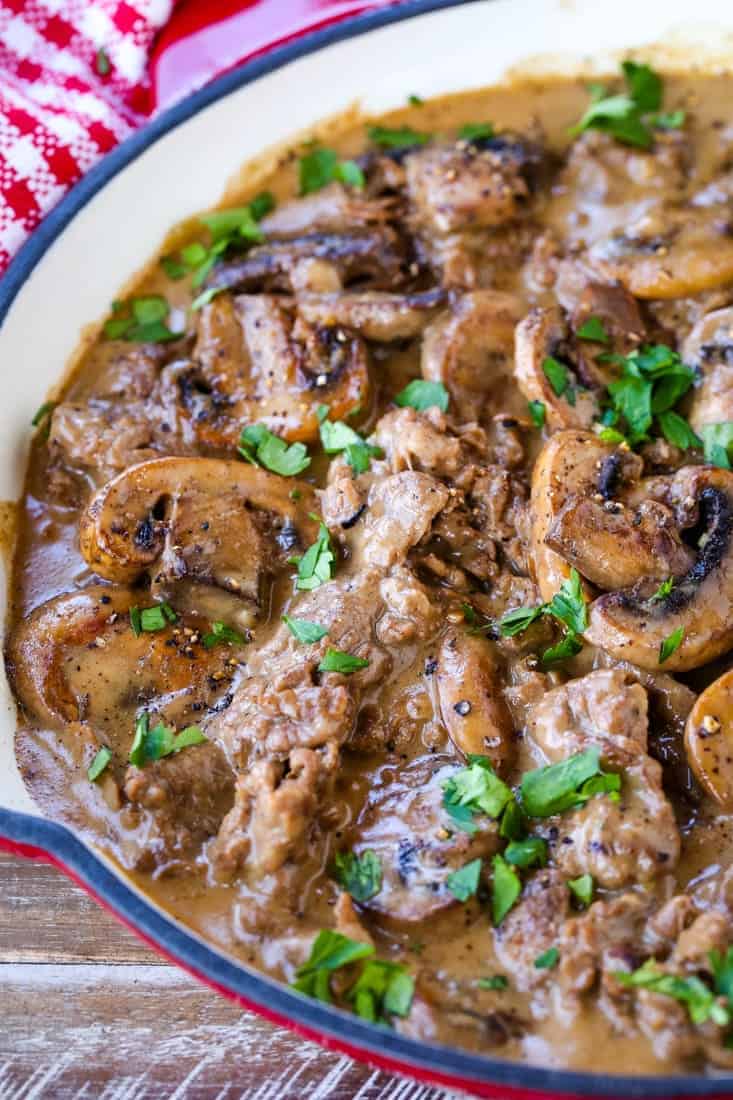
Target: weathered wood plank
<point>44,917</point>
<point>87,1011</point>
<point>131,1032</point>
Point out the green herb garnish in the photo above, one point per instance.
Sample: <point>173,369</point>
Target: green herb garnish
<point>530,852</point>
<point>330,952</point>
<point>337,436</point>
<point>537,412</point>
<point>567,785</point>
<point>548,960</point>
<point>702,1002</point>
<point>671,644</point>
<point>506,889</point>
<point>476,789</point>
<point>567,606</point>
<point>495,983</point>
<point>221,633</point>
<point>397,138</point>
<point>415,100</point>
<point>149,619</point>
<point>476,131</point>
<point>663,591</point>
<point>43,413</point>
<point>153,744</point>
<point>304,631</point>
<point>141,320</point>
<point>582,889</point>
<point>322,166</point>
<point>629,118</point>
<point>335,660</point>
<point>316,566</point>
<point>258,445</point>
<point>463,883</point>
<point>422,395</point>
<point>717,441</point>
<point>557,375</point>
<point>593,329</point>
<point>360,875</point>
<point>99,763</point>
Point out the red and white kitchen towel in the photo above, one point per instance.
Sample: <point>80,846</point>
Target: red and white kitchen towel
<point>73,83</point>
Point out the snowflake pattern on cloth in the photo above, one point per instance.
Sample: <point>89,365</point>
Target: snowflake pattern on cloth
<point>73,83</point>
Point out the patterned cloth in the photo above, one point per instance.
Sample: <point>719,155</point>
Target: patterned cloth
<point>72,84</point>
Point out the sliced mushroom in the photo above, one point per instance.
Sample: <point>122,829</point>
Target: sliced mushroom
<point>671,252</point>
<point>418,846</point>
<point>254,363</point>
<point>572,465</point>
<point>374,314</point>
<point>540,336</point>
<point>619,313</point>
<point>632,623</point>
<point>333,209</point>
<point>472,706</point>
<point>709,348</point>
<point>207,530</point>
<point>470,348</point>
<point>709,740</point>
<point>373,256</point>
<point>76,658</point>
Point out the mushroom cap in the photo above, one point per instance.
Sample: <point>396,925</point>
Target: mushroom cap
<point>709,740</point>
<point>540,336</point>
<point>632,626</point>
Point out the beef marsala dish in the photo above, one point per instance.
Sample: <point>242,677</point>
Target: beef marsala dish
<point>373,586</point>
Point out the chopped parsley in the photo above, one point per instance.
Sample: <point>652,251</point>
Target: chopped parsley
<point>382,989</point>
<point>261,447</point>
<point>717,442</point>
<point>567,785</point>
<point>593,329</point>
<point>99,763</point>
<point>305,631</point>
<point>530,852</point>
<point>677,431</point>
<point>582,889</point>
<point>506,888</point>
<point>702,1001</point>
<point>153,744</point>
<point>360,875</point>
<point>316,566</point>
<point>476,789</point>
<point>415,100</point>
<point>653,379</point>
<point>397,137</point>
<point>495,983</point>
<point>567,606</point>
<point>663,591</point>
<point>322,166</point>
<point>463,883</point>
<point>630,117</point>
<point>557,374</point>
<point>238,225</point>
<point>335,660</point>
<point>548,960</point>
<point>538,413</point>
<point>337,436</point>
<point>141,320</point>
<point>422,395</point>
<point>149,619</point>
<point>43,414</point>
<point>671,644</point>
<point>221,633</point>
<point>476,131</point>
<point>205,297</point>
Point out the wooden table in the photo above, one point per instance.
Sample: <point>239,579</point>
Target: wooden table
<point>86,1010</point>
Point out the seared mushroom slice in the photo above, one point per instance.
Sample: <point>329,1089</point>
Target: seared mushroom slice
<point>542,335</point>
<point>333,209</point>
<point>254,362</point>
<point>672,252</point>
<point>417,842</point>
<point>709,348</point>
<point>619,314</point>
<point>632,623</point>
<point>470,348</point>
<point>472,706</point>
<point>709,740</point>
<point>373,256</point>
<point>374,314</point>
<point>207,530</point>
<point>76,658</point>
<point>572,465</point>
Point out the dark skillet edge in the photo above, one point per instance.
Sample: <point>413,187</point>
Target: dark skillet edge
<point>42,839</point>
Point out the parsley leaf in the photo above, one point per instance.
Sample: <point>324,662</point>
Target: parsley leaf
<point>663,591</point>
<point>415,100</point>
<point>582,889</point>
<point>463,883</point>
<point>495,983</point>
<point>519,619</point>
<point>43,413</point>
<point>153,744</point>
<point>530,852</point>
<point>422,395</point>
<point>537,412</point>
<point>330,951</point>
<point>99,763</point>
<point>361,875</point>
<point>337,436</point>
<point>627,117</point>
<point>316,566</point>
<point>593,329</point>
<point>473,790</point>
<point>692,991</point>
<point>397,138</point>
<point>205,297</point>
<point>566,648</point>
<point>507,887</point>
<point>645,86</point>
<point>652,380</point>
<point>322,166</point>
<point>476,131</point>
<point>141,320</point>
<point>150,619</point>
<point>238,221</point>
<point>548,960</point>
<point>383,989</point>
<point>718,443</point>
<point>567,785</point>
<point>261,447</point>
<point>220,632</point>
<point>677,431</point>
<point>568,604</point>
<point>335,660</point>
<point>671,644</point>
<point>304,631</point>
<point>557,375</point>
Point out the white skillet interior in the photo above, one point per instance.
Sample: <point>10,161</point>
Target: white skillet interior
<point>187,169</point>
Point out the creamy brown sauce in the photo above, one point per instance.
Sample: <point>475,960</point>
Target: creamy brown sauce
<point>83,677</point>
